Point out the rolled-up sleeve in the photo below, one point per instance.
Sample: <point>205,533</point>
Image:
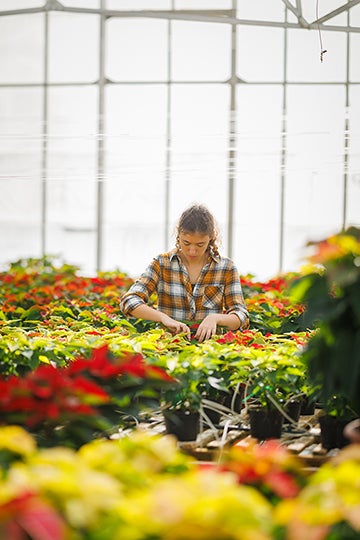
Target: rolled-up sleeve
<point>140,292</point>
<point>234,299</point>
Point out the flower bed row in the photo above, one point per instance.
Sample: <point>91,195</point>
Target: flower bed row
<point>142,487</point>
<point>50,316</point>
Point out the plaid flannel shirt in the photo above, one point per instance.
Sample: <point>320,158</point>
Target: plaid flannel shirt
<point>217,290</point>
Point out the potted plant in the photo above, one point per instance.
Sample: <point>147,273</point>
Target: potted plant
<point>203,388</point>
<point>273,384</point>
<point>336,414</point>
<point>224,386</point>
<point>331,293</point>
<point>181,401</point>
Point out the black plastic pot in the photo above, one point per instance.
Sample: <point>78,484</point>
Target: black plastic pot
<point>265,423</point>
<point>293,409</point>
<point>307,406</point>
<point>332,432</point>
<point>214,416</point>
<point>185,425</point>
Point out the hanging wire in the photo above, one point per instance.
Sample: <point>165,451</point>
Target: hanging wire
<point>322,50</point>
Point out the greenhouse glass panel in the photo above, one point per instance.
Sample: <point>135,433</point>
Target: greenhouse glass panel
<point>92,4</point>
<point>203,4</point>
<point>261,10</point>
<point>134,188</point>
<point>315,160</point>
<point>304,63</point>
<point>137,4</point>
<point>200,51</point>
<point>20,4</point>
<point>199,143</point>
<point>257,193</point>
<point>354,58</point>
<point>353,198</point>
<point>355,16</point>
<point>22,48</point>
<point>260,59</point>
<point>71,174</point>
<point>20,172</point>
<point>137,49</point>
<point>73,59</point>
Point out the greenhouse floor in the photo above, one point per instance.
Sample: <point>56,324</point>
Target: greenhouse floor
<point>302,439</point>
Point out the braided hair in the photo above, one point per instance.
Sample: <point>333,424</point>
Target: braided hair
<point>198,219</point>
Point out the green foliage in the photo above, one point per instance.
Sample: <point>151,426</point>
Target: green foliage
<point>331,293</point>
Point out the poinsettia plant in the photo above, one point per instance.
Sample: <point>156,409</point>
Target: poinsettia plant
<point>271,308</point>
<point>90,397</point>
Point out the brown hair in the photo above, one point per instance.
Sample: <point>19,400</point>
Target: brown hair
<point>198,219</point>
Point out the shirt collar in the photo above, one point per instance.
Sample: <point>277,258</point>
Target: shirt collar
<point>174,253</point>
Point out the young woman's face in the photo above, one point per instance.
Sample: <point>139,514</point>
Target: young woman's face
<point>193,245</point>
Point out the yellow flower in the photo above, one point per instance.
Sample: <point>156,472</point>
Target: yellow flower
<point>81,493</point>
<point>332,496</point>
<point>8,491</point>
<point>199,504</point>
<point>134,460</point>
<point>17,440</point>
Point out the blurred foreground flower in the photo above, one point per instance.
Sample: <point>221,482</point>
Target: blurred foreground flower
<point>28,517</point>
<point>136,487</point>
<point>269,467</point>
<point>202,505</point>
<point>328,508</point>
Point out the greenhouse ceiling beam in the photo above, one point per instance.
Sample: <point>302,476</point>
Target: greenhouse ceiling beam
<point>25,11</point>
<point>243,22</point>
<point>297,11</point>
<point>178,83</point>
<point>206,15</point>
<point>213,16</point>
<point>335,12</point>
<point>299,7</point>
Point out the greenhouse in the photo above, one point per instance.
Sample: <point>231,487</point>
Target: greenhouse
<point>179,270</point>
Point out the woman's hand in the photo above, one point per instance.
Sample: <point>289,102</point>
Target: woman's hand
<point>207,327</point>
<point>176,327</point>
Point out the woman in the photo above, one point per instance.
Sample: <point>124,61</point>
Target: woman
<point>193,283</point>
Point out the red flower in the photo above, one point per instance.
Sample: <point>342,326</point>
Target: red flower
<point>135,365</point>
<point>99,365</point>
<point>27,516</point>
<point>269,467</point>
<point>229,337</point>
<point>282,484</point>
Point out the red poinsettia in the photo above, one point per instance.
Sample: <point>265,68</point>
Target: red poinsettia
<point>269,466</point>
<point>102,366</point>
<point>245,337</point>
<point>48,394</point>
<point>27,516</point>
<point>58,396</point>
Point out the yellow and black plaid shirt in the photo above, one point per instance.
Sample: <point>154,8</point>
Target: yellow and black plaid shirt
<point>217,290</point>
